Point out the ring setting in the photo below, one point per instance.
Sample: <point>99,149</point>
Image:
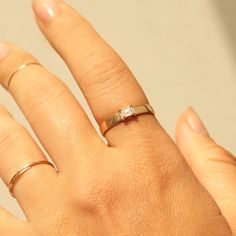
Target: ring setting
<point>127,112</point>
<point>123,114</point>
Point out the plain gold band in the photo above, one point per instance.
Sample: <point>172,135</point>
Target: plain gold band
<point>120,116</point>
<point>19,173</point>
<point>19,69</point>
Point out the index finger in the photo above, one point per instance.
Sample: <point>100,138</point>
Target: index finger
<point>102,75</point>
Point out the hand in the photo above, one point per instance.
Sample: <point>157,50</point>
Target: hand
<point>214,166</point>
<point>138,184</point>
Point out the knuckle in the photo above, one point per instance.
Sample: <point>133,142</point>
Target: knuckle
<point>159,166</point>
<point>162,156</point>
<point>151,170</point>
<point>48,91</point>
<point>215,152</point>
<point>128,178</point>
<point>42,98</point>
<point>215,161</point>
<point>9,136</point>
<point>101,193</point>
<point>108,75</point>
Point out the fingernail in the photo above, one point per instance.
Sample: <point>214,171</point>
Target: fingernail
<point>46,10</point>
<point>196,123</point>
<point>4,50</point>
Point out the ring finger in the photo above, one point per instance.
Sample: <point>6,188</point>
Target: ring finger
<point>17,149</point>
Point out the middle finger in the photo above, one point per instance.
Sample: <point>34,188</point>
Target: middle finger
<point>55,115</point>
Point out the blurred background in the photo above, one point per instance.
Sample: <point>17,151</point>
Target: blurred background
<point>183,53</point>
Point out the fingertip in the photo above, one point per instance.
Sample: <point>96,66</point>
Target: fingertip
<point>193,120</point>
<point>46,10</point>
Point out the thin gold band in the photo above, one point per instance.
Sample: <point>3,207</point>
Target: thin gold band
<point>18,69</point>
<point>19,173</point>
<point>123,114</point>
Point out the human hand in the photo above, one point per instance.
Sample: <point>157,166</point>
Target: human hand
<point>214,166</point>
<point>138,184</point>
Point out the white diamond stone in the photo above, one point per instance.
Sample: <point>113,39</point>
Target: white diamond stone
<point>127,112</point>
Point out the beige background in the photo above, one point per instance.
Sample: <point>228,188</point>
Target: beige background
<point>182,52</point>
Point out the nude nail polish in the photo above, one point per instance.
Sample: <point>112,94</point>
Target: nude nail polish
<point>46,10</point>
<point>4,50</point>
<point>196,123</point>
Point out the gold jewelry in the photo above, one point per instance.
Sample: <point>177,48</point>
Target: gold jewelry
<point>19,173</point>
<point>123,114</point>
<point>18,69</point>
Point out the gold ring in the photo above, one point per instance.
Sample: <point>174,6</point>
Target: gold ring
<point>123,114</point>
<point>18,69</point>
<point>19,173</point>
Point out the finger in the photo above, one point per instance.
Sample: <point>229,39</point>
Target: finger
<point>55,115</point>
<point>17,149</point>
<point>103,77</point>
<point>213,166</point>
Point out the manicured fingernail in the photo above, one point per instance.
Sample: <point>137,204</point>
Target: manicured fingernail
<point>46,10</point>
<point>4,50</point>
<point>195,122</point>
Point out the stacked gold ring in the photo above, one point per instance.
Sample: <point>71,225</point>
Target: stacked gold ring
<point>19,69</point>
<point>19,173</point>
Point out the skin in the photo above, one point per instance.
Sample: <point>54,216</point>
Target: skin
<point>138,183</point>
